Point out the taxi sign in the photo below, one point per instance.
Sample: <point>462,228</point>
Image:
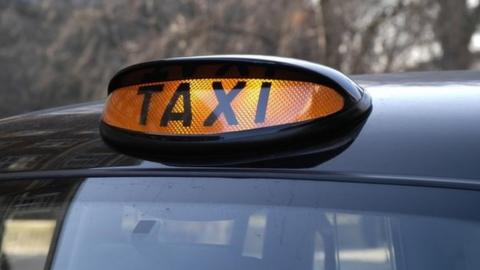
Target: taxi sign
<point>228,100</point>
<point>217,105</point>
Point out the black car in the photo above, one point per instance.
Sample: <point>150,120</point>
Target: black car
<point>247,162</point>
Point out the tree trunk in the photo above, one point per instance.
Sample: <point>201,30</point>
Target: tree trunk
<point>454,30</point>
<point>332,26</point>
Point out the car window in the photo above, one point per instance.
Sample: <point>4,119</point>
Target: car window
<point>193,223</point>
<point>31,215</point>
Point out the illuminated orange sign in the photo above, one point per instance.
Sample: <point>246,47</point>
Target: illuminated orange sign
<point>215,106</point>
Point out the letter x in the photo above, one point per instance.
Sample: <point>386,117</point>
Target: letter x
<point>224,103</point>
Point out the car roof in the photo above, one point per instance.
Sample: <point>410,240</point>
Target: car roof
<point>421,124</point>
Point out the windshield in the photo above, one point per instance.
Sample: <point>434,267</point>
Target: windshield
<point>190,223</point>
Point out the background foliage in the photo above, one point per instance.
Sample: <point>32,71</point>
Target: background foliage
<point>57,52</point>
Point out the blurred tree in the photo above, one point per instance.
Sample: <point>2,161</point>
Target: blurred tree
<point>454,27</point>
<point>55,52</point>
<point>334,19</point>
